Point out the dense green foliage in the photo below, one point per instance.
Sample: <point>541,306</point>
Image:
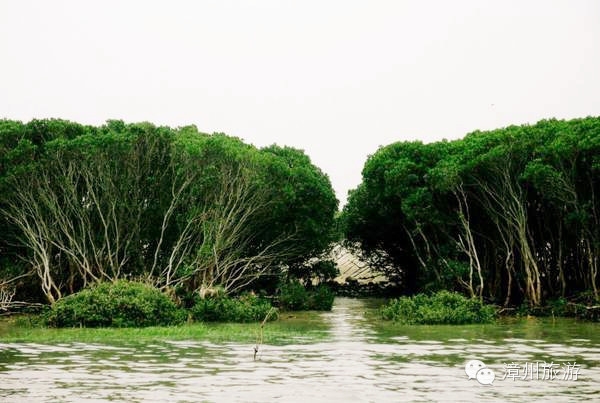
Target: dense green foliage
<point>131,304</point>
<point>174,207</point>
<point>245,308</point>
<point>321,298</point>
<point>583,306</point>
<point>321,271</point>
<point>294,296</point>
<point>441,308</point>
<point>119,304</point>
<point>509,215</point>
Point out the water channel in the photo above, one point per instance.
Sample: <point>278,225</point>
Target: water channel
<point>359,358</point>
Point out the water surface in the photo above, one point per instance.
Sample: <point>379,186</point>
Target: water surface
<point>360,359</point>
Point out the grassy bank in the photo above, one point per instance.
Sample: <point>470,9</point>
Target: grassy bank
<point>297,327</point>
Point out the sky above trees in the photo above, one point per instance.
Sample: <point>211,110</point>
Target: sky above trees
<point>337,79</point>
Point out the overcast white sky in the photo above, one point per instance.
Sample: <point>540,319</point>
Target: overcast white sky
<point>335,78</point>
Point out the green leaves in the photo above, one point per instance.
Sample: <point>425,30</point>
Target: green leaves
<point>429,214</point>
<point>441,308</point>
<point>245,308</point>
<point>294,296</point>
<point>118,199</point>
<point>119,304</point>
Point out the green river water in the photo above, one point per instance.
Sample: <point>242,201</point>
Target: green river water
<point>354,357</point>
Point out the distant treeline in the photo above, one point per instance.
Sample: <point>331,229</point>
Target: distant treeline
<point>509,215</point>
<point>172,207</point>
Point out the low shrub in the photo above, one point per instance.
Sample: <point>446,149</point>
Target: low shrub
<point>293,296</point>
<point>441,308</point>
<point>246,308</point>
<point>581,307</point>
<point>118,304</point>
<point>321,298</point>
